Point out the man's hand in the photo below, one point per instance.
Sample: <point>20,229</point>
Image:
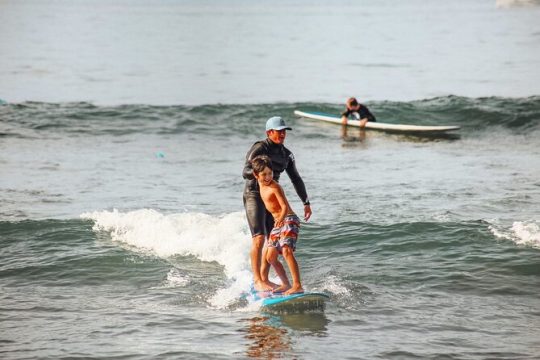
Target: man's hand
<point>307,212</point>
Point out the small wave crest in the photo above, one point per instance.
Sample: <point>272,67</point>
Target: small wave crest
<point>521,232</point>
<point>333,285</point>
<point>176,279</point>
<point>223,239</point>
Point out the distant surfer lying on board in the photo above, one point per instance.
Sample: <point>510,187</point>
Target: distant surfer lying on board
<point>282,238</point>
<point>260,221</point>
<point>358,111</point>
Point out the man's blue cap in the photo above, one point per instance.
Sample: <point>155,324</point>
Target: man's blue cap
<point>276,123</point>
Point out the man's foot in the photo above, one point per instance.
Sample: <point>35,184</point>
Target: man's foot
<point>272,284</point>
<point>296,289</point>
<point>260,285</point>
<point>281,288</point>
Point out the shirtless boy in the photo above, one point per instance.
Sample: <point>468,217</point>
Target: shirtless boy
<point>282,239</point>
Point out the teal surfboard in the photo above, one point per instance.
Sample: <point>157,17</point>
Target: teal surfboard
<point>306,301</point>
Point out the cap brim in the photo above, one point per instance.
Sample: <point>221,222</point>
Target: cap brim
<point>281,128</point>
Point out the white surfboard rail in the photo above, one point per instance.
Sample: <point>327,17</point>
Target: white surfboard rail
<point>378,125</point>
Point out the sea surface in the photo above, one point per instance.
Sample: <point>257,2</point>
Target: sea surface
<point>123,132</point>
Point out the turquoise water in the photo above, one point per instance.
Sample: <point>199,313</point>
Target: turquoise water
<point>122,142</point>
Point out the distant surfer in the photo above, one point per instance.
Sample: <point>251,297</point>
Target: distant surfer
<point>357,111</point>
<point>283,237</point>
<point>260,221</point>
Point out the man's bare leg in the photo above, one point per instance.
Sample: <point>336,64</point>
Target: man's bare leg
<point>265,269</point>
<point>259,283</point>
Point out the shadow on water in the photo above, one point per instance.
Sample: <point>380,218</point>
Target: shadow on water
<point>269,335</point>
<point>356,137</point>
<point>427,137</point>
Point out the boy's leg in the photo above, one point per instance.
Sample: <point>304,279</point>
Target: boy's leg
<point>295,271</point>
<point>272,257</point>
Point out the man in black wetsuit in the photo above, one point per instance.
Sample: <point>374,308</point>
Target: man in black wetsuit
<point>259,219</point>
<point>358,111</point>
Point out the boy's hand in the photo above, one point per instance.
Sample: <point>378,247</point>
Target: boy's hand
<point>307,212</point>
<point>363,123</point>
<point>278,223</point>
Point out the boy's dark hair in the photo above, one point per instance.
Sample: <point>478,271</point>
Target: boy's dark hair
<point>260,162</point>
<point>352,102</point>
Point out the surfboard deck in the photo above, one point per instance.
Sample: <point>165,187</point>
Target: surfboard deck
<point>398,128</point>
<point>305,301</point>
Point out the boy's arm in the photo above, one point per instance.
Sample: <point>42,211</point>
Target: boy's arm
<point>283,204</point>
<point>344,117</point>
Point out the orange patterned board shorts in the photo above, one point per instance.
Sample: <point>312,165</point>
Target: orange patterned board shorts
<point>285,235</point>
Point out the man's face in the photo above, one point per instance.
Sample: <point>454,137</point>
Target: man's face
<point>277,136</point>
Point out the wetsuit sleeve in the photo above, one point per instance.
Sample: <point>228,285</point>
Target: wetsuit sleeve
<point>256,149</point>
<point>346,113</point>
<point>365,113</point>
<point>296,180</point>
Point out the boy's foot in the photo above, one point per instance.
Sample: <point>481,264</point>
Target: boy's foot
<point>260,285</point>
<point>281,288</point>
<point>296,289</point>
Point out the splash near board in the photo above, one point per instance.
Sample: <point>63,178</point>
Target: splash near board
<point>396,128</point>
<point>306,301</point>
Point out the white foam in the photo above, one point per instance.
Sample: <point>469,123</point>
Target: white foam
<point>499,233</point>
<point>521,232</point>
<point>527,233</point>
<point>241,284</point>
<point>176,279</point>
<point>332,285</point>
<point>224,239</point>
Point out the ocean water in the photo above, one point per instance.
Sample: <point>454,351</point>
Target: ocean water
<point>123,133</point>
<point>190,52</point>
